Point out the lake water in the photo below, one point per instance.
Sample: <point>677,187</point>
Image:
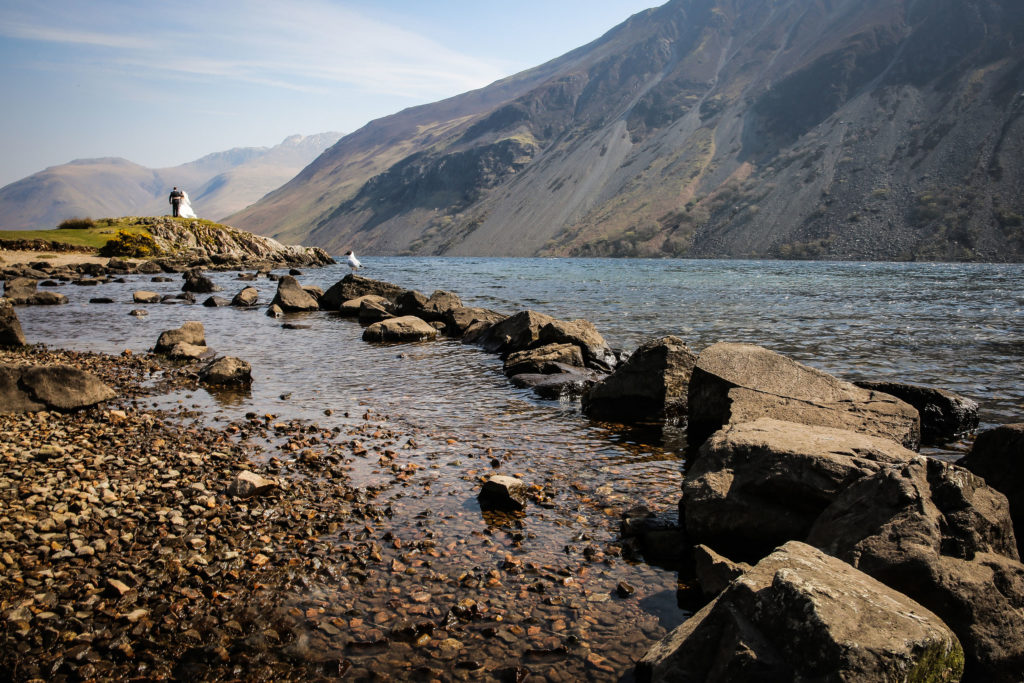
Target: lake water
<point>955,326</point>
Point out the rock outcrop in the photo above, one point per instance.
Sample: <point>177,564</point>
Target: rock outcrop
<point>735,383</point>
<point>802,615</point>
<point>650,385</point>
<point>201,240</point>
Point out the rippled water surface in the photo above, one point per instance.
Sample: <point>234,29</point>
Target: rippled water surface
<point>954,326</point>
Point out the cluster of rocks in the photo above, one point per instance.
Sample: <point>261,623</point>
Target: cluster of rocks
<point>188,343</point>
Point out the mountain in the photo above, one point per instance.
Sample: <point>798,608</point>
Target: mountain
<point>218,184</point>
<point>849,129</point>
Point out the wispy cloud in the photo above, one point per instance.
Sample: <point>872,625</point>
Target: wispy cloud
<point>304,45</point>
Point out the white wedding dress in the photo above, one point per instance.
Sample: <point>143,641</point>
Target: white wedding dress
<point>185,208</point>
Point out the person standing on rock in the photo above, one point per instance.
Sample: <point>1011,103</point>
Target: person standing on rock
<point>175,200</point>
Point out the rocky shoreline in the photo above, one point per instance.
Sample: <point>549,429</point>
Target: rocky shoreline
<point>247,555</point>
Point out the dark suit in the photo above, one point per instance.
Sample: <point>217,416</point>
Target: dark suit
<point>175,200</point>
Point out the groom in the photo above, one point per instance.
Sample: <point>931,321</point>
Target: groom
<point>175,200</point>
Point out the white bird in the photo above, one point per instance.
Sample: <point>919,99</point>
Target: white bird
<point>353,262</point>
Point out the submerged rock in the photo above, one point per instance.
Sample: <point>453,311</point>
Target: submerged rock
<point>802,615</point>
<point>734,383</point>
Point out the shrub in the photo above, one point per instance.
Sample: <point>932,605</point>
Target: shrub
<point>130,244</point>
<point>76,224</point>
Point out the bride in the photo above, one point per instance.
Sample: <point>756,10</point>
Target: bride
<point>185,208</point>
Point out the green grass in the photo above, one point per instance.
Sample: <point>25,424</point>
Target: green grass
<point>95,237</point>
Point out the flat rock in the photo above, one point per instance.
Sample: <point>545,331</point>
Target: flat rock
<point>734,383</point>
<point>406,328</point>
<point>651,385</point>
<point>758,484</point>
<point>216,302</point>
<point>802,615</point>
<point>186,351</point>
<point>567,383</point>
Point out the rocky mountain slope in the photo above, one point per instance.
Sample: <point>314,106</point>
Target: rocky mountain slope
<point>218,184</point>
<point>851,129</point>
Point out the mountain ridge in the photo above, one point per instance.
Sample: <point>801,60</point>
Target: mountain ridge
<point>782,129</point>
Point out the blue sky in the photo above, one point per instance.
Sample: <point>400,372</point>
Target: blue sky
<point>163,83</point>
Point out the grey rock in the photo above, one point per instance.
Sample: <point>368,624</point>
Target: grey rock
<point>802,615</point>
<point>734,383</point>
<point>651,385</point>
<point>64,388</point>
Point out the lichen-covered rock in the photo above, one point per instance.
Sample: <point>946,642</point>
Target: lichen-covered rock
<point>406,328</point>
<point>802,615</point>
<point>734,383</point>
<point>650,385</point>
<point>758,484</point>
<point>939,534</point>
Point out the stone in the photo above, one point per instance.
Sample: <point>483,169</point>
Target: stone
<point>567,383</point>
<point>501,492</point>
<point>582,333</point>
<point>651,385</point>
<point>439,305</point>
<point>374,311</point>
<point>227,371</point>
<point>13,399</point>
<point>998,457</point>
<point>410,302</point>
<point>406,328</point>
<point>249,296</point>
<point>144,297</point>
<point>543,360</point>
<point>458,320</point>
<point>274,311</point>
<point>248,484</point>
<point>11,333</point>
<point>939,534</point>
<point>148,268</point>
<point>756,485</point>
<point>21,291</point>
<point>514,333</point>
<point>802,615</point>
<point>291,297</point>
<point>945,416</point>
<point>216,302</point>
<point>138,312</point>
<point>353,286</point>
<point>185,351</point>
<point>191,332</point>
<point>351,308</point>
<point>656,535</point>
<point>714,572</point>
<point>734,383</point>
<point>198,282</point>
<point>101,300</point>
<point>63,387</point>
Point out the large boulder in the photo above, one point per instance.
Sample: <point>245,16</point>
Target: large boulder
<point>800,615</point>
<point>406,328</point>
<point>582,333</point>
<point>998,457</point>
<point>191,332</point>
<point>940,535</point>
<point>758,484</point>
<point>291,297</point>
<point>944,415</point>
<point>734,383</point>
<point>11,333</point>
<point>514,333</point>
<point>650,385</point>
<point>249,296</point>
<point>543,360</point>
<point>227,371</point>
<point>458,320</point>
<point>58,387</point>
<point>353,286</point>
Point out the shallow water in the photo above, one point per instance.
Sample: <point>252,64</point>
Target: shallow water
<point>954,326</point>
